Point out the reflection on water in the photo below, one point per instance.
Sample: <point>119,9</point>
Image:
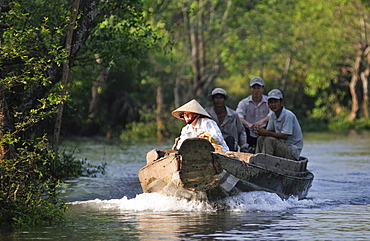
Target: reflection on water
<point>113,207</point>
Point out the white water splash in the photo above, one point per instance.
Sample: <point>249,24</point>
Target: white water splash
<point>264,202</point>
<point>155,202</point>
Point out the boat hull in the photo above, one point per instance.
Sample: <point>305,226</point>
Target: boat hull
<point>198,172</point>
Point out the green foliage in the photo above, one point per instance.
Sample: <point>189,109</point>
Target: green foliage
<point>68,166</point>
<point>32,50</point>
<point>294,46</point>
<point>120,42</point>
<point>139,131</point>
<point>28,193</point>
<point>29,183</point>
<point>29,48</point>
<point>147,127</point>
<point>121,33</point>
<point>28,188</point>
<point>301,47</point>
<point>343,124</point>
<point>310,124</point>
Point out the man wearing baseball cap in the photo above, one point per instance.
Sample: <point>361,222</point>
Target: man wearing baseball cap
<point>198,123</point>
<point>253,111</point>
<point>227,120</point>
<point>283,135</point>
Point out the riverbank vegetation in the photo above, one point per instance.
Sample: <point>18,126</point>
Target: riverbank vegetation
<point>41,43</point>
<point>118,68</point>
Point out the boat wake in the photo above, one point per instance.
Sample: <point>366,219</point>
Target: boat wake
<point>244,202</point>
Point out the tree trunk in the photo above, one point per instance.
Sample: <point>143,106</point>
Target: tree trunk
<point>365,83</point>
<point>352,86</point>
<point>200,39</point>
<point>284,79</point>
<point>366,72</point>
<point>177,92</point>
<point>91,125</point>
<point>160,117</point>
<point>63,91</point>
<point>102,78</point>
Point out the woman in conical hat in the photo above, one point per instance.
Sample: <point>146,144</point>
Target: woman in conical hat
<point>192,106</point>
<point>198,123</point>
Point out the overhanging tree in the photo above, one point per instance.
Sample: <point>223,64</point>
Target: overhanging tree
<point>33,52</point>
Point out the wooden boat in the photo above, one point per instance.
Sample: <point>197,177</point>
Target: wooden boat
<point>198,172</point>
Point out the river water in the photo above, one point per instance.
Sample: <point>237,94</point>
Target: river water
<point>113,207</point>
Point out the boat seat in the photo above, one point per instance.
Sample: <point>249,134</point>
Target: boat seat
<point>266,161</point>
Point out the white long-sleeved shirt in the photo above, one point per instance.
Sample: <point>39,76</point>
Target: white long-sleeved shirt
<point>203,125</point>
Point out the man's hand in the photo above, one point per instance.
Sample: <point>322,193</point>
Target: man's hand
<point>260,131</point>
<point>263,132</point>
<point>255,127</point>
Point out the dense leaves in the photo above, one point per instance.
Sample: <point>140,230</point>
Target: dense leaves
<point>28,189</point>
<point>308,49</point>
<point>33,54</point>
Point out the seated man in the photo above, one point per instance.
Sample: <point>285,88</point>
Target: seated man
<point>227,120</point>
<point>198,124</point>
<point>282,136</point>
<point>254,111</point>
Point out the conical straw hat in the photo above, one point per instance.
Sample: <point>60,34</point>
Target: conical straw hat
<point>191,106</point>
